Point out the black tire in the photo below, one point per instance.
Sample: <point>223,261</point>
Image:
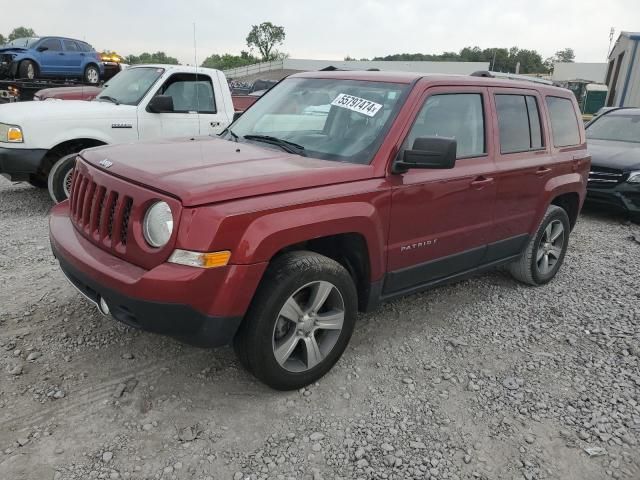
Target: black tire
<point>37,181</point>
<point>91,74</point>
<point>255,341</point>
<point>528,269</point>
<point>60,176</point>
<point>28,69</point>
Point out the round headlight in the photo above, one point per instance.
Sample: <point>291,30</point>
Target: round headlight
<point>158,224</point>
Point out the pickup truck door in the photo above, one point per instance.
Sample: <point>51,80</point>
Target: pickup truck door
<point>51,59</point>
<point>195,111</point>
<point>441,219</point>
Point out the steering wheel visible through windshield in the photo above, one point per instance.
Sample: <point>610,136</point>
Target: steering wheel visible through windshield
<point>130,86</point>
<point>332,119</point>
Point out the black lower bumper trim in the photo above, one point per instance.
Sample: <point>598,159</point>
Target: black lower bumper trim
<point>625,197</point>
<point>176,320</point>
<point>20,163</point>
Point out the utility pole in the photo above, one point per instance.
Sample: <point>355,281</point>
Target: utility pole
<point>611,33</point>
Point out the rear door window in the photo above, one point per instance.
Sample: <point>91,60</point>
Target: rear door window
<point>564,123</point>
<point>70,46</point>
<point>519,123</point>
<point>452,115</point>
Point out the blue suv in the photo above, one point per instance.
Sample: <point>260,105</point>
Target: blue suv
<point>60,57</point>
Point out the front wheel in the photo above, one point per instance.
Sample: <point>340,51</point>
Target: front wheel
<point>300,321</point>
<point>545,251</point>
<point>92,74</point>
<point>61,177</point>
<point>27,69</point>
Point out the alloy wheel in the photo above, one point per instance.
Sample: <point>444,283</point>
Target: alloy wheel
<point>31,71</point>
<point>308,326</point>
<point>66,183</point>
<point>550,247</point>
<point>92,75</point>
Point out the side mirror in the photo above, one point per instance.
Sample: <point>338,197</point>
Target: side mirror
<point>161,104</point>
<point>42,49</point>
<point>428,152</point>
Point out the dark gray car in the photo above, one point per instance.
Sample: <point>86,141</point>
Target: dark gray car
<point>613,139</point>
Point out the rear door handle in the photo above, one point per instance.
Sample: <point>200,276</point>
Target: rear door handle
<point>543,171</point>
<point>481,182</point>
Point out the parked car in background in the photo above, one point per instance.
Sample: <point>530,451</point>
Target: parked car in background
<point>39,140</point>
<point>614,145</point>
<point>335,192</point>
<point>48,57</point>
<point>81,92</point>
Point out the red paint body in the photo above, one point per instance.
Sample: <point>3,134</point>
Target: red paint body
<point>257,201</point>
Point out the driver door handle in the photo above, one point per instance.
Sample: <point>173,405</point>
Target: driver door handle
<point>481,182</point>
<point>543,171</point>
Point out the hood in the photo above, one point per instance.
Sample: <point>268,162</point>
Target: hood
<point>12,49</point>
<point>621,155</point>
<point>207,170</point>
<point>19,113</point>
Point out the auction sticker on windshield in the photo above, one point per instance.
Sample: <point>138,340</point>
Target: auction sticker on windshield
<point>357,104</point>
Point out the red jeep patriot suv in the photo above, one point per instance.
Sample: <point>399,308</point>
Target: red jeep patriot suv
<point>334,192</point>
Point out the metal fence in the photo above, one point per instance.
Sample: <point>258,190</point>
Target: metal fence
<point>247,70</point>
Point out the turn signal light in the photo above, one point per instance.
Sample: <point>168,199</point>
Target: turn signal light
<point>200,259</point>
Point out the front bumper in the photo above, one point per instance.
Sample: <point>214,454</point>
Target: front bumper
<point>624,196</point>
<point>203,307</point>
<point>18,164</point>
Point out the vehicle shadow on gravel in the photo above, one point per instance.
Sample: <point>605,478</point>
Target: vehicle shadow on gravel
<point>24,199</point>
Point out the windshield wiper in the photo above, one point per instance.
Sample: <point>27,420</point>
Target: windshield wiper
<point>233,135</point>
<point>286,145</point>
<point>111,99</point>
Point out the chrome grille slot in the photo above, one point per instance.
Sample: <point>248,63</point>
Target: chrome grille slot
<point>603,177</point>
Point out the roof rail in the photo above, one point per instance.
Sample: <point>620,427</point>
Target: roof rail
<point>510,76</point>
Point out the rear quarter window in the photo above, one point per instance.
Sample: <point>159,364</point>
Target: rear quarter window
<point>564,123</point>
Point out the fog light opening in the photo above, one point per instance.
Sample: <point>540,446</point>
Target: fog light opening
<point>103,307</point>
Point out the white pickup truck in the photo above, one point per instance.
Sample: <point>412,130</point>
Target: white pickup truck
<point>39,140</point>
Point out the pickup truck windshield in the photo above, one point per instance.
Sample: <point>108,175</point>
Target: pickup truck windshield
<point>331,119</point>
<point>620,128</point>
<point>129,86</point>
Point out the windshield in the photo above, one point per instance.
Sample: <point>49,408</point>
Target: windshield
<point>22,42</point>
<point>129,86</point>
<point>617,127</point>
<point>332,119</point>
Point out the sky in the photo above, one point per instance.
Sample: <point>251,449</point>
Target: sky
<point>333,29</point>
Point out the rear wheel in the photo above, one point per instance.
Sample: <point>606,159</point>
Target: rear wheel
<point>60,178</point>
<point>300,321</point>
<point>545,252</point>
<point>27,69</point>
<point>92,74</point>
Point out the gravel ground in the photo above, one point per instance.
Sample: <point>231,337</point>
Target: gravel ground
<point>483,379</point>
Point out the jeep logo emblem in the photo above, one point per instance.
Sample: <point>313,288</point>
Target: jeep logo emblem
<point>105,163</point>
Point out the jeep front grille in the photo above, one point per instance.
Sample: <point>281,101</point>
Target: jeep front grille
<point>101,214</point>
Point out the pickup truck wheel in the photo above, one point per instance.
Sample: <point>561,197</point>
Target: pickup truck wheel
<point>92,74</point>
<point>27,69</point>
<point>545,252</point>
<point>300,321</point>
<point>60,178</point>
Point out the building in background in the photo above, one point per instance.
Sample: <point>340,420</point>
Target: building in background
<point>592,72</point>
<point>279,69</point>
<point>623,71</point>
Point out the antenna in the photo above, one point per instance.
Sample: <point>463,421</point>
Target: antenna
<point>611,33</point>
<point>195,64</point>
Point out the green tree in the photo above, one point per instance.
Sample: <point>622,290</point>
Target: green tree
<point>158,57</point>
<point>2,39</point>
<point>21,32</point>
<point>565,55</point>
<point>228,60</point>
<point>265,37</point>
